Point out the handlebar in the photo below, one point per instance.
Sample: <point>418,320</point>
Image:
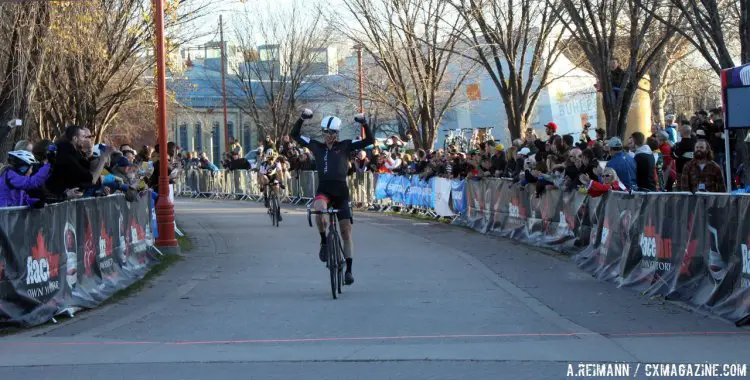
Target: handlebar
<point>310,212</point>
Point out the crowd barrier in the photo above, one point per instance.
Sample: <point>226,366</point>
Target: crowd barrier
<point>72,255</point>
<point>692,248</point>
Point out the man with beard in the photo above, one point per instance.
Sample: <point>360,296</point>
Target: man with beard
<point>702,174</point>
<point>72,169</point>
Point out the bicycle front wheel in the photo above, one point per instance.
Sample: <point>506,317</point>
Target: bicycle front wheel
<point>333,266</point>
<point>276,210</point>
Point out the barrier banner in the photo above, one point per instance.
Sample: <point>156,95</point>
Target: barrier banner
<point>397,188</point>
<point>458,196</point>
<point>71,255</point>
<point>381,186</point>
<point>442,194</point>
<point>420,193</point>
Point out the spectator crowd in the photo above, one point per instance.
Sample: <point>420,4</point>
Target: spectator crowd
<point>74,167</point>
<point>688,156</point>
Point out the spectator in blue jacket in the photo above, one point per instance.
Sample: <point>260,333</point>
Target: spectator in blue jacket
<point>623,164</point>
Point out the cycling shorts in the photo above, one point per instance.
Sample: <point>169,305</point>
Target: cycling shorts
<point>336,195</point>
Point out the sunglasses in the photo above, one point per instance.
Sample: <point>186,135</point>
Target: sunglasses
<point>607,175</point>
<point>330,132</point>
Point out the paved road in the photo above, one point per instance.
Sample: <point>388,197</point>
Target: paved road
<point>430,302</point>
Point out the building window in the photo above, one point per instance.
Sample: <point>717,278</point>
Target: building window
<point>247,138</point>
<point>183,136</point>
<point>198,137</point>
<point>230,129</point>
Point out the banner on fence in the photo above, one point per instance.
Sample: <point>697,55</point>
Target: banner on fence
<point>693,248</point>
<point>442,195</point>
<point>458,196</point>
<point>71,255</point>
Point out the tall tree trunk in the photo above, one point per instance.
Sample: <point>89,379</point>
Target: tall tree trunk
<point>656,92</point>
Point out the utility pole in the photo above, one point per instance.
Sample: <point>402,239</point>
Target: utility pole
<point>361,90</point>
<point>224,84</point>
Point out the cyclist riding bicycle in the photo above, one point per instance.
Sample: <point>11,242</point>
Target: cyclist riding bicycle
<point>331,161</point>
<point>269,172</point>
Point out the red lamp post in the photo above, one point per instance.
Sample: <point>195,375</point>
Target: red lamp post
<point>164,207</point>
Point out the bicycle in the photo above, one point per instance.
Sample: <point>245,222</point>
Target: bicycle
<point>335,262</point>
<point>274,206</point>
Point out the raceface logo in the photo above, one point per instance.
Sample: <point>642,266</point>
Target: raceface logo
<point>656,251</point>
<point>42,268</point>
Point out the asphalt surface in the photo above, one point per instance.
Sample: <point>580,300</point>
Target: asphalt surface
<point>430,301</point>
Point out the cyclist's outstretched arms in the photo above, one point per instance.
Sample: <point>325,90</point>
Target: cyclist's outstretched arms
<point>297,128</point>
<point>369,138</point>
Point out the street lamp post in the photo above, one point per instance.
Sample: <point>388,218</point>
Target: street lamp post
<point>164,207</point>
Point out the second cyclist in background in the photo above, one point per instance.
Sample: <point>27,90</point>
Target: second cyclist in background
<point>270,172</point>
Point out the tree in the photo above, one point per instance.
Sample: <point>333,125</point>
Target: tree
<point>711,26</point>
<point>285,58</point>
<point>23,30</point>
<point>88,83</point>
<point>517,42</point>
<point>387,116</point>
<point>601,28</point>
<point>414,43</point>
<point>660,74</point>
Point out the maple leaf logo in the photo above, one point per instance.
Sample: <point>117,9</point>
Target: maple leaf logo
<point>40,251</point>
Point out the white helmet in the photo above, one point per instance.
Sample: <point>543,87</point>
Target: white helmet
<point>331,123</point>
<point>269,153</point>
<point>24,156</point>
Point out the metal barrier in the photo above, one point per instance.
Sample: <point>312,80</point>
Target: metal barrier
<point>244,185</point>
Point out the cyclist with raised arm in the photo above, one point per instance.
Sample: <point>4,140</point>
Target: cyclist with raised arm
<point>331,162</point>
<point>269,172</point>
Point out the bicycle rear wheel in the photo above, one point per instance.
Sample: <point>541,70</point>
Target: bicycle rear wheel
<point>333,263</point>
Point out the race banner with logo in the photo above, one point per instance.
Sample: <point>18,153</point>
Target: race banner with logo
<point>458,196</point>
<point>71,255</point>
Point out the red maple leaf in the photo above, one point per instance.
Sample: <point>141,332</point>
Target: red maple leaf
<point>40,251</point>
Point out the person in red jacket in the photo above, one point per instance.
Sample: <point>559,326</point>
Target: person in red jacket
<point>609,182</point>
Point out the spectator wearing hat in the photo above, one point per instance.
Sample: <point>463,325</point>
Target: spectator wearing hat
<point>551,130</point>
<point>645,164</point>
<point>622,163</point>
